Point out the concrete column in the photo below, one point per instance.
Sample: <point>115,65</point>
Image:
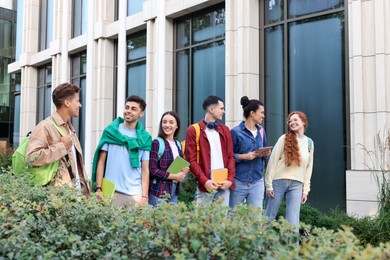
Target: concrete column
<point>88,104</point>
<point>159,75</point>
<point>242,56</point>
<point>122,54</point>
<point>28,100</point>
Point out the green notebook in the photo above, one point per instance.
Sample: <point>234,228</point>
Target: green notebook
<point>177,165</point>
<point>108,188</point>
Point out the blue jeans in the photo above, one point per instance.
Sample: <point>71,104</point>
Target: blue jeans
<point>293,191</point>
<point>207,198</point>
<point>154,200</point>
<point>252,192</point>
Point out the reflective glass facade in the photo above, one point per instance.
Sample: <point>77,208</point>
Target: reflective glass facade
<point>79,78</point>
<point>304,70</point>
<point>44,92</point>
<point>136,66</point>
<point>200,62</point>
<point>134,6</point>
<point>7,56</point>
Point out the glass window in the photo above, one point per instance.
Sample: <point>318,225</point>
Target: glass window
<point>45,24</point>
<point>136,66</point>
<point>274,11</point>
<point>302,7</point>
<point>274,81</point>
<point>79,78</point>
<point>80,15</point>
<point>200,63</point>
<point>16,119</point>
<point>7,56</point>
<point>44,92</point>
<point>304,69</point>
<point>134,6</point>
<point>19,28</point>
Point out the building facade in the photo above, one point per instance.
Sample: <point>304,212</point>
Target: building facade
<point>330,59</point>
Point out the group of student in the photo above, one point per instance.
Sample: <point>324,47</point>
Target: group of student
<point>128,156</point>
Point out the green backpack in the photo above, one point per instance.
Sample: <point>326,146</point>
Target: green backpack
<point>40,175</point>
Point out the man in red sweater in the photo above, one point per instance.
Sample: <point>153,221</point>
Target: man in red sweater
<point>216,152</point>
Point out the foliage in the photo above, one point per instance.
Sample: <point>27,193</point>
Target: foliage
<point>379,159</point>
<point>45,223</point>
<point>187,190</point>
<point>367,229</point>
<point>6,159</point>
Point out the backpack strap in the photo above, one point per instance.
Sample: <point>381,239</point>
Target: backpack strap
<point>161,146</point>
<point>197,138</point>
<point>66,156</point>
<point>309,143</point>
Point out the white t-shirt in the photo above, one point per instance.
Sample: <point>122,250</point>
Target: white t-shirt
<point>174,149</point>
<point>216,158</point>
<point>78,185</point>
<point>118,167</point>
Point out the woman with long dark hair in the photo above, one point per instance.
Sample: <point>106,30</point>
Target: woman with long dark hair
<point>164,186</point>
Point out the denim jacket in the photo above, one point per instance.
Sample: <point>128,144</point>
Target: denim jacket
<point>244,142</point>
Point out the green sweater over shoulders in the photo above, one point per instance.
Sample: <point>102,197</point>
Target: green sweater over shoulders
<point>111,135</point>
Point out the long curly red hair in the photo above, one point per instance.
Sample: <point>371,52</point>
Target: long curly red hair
<point>291,147</point>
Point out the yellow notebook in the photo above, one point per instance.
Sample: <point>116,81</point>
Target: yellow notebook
<point>219,175</point>
<point>108,188</point>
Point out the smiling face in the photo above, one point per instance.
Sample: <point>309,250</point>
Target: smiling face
<point>169,125</point>
<point>132,112</point>
<point>297,123</point>
<point>73,104</point>
<point>258,115</point>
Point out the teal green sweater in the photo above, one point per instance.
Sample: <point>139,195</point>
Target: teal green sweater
<point>111,135</point>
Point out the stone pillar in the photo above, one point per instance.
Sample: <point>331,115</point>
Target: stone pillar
<point>242,56</point>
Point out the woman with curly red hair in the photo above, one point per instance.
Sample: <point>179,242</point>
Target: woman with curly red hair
<point>289,170</point>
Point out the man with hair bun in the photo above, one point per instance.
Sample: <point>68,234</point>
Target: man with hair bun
<point>247,137</point>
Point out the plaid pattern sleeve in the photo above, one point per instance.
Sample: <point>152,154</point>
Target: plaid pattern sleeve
<point>159,185</point>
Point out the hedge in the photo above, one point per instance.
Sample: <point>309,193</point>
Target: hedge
<point>50,223</point>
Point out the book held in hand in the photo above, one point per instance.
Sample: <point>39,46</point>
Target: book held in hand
<point>177,165</point>
<point>108,188</point>
<point>219,175</point>
<point>263,149</point>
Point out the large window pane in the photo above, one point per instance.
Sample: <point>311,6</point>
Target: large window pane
<point>317,87</point>
<point>50,21</point>
<point>274,83</point>
<point>200,63</point>
<point>134,6</point>
<point>209,75</point>
<point>183,101</point>
<point>136,66</point>
<point>136,79</point>
<point>208,26</point>
<point>302,7</point>
<point>44,99</point>
<point>273,11</point>
<point>80,15</point>
<point>183,34</point>
<point>136,47</point>
<point>79,63</point>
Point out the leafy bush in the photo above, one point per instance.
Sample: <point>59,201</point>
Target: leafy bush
<point>367,229</point>
<point>45,223</point>
<point>6,159</point>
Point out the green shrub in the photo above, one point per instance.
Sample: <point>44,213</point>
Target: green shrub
<point>6,159</point>
<point>46,223</point>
